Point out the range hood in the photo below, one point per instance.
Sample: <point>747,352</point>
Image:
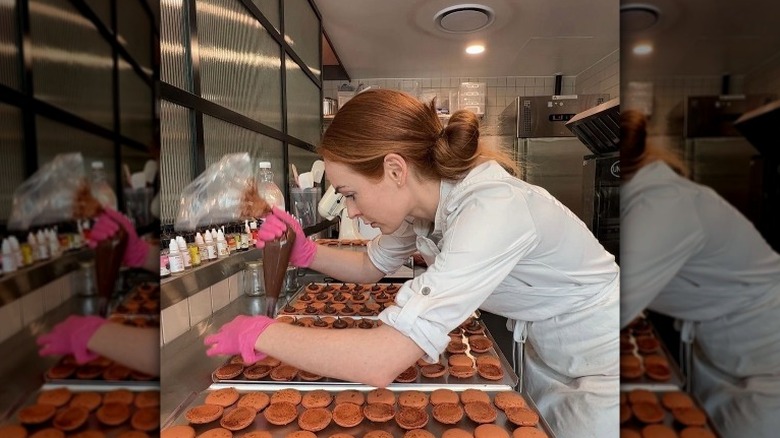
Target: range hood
<point>598,127</point>
<point>760,128</point>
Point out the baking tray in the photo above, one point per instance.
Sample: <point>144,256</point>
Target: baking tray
<point>130,382</point>
<point>668,420</point>
<point>133,304</point>
<point>508,381</point>
<point>91,424</point>
<point>260,423</point>
<point>337,286</point>
<point>677,380</point>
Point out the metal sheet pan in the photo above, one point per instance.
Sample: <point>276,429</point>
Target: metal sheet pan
<point>100,382</point>
<point>634,424</point>
<point>296,298</point>
<point>508,381</point>
<point>677,380</point>
<point>364,427</point>
<point>92,422</point>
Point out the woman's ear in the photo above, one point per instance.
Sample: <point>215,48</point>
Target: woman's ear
<point>396,169</point>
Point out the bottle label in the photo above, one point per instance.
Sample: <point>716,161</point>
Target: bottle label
<point>185,255</point>
<point>194,255</point>
<point>204,253</point>
<point>176,262</point>
<point>222,249</point>
<point>211,251</point>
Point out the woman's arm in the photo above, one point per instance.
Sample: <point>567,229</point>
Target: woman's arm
<point>136,348</point>
<point>374,357</point>
<point>348,266</point>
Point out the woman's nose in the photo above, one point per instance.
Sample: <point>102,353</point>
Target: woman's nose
<point>352,210</point>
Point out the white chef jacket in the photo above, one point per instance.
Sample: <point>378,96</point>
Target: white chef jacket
<point>508,247</point>
<point>688,254</point>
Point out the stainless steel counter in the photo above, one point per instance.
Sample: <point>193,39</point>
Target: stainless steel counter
<point>186,369</point>
<point>21,368</point>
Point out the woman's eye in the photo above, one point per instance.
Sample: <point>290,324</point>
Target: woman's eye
<point>352,196</point>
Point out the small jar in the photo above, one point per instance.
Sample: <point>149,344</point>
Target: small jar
<point>253,279</point>
<point>84,279</point>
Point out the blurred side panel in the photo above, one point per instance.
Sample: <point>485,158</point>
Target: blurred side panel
<point>175,45</point>
<point>240,62</point>
<point>134,32</point>
<point>303,102</point>
<point>176,131</point>
<point>57,138</point>
<point>135,105</point>
<point>71,62</point>
<point>9,45</point>
<point>12,162</point>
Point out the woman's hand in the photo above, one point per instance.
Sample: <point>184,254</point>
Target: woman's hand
<point>239,337</point>
<point>71,337</point>
<point>107,224</point>
<point>275,225</point>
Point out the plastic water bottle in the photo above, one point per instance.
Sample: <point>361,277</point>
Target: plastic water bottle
<point>266,187</point>
<point>101,189</point>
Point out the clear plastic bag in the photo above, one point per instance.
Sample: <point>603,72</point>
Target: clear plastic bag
<point>218,195</point>
<point>49,195</point>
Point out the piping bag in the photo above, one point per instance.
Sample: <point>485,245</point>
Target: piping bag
<point>276,253</point>
<point>108,252</point>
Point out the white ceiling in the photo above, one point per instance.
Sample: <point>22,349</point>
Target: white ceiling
<point>397,38</point>
<point>704,37</point>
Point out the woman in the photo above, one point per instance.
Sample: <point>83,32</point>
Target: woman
<point>491,241</point>
<point>688,254</point>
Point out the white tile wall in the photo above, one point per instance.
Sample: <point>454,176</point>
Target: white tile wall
<point>10,319</point>
<point>33,305</point>
<point>501,91</point>
<point>601,77</point>
<point>220,294</point>
<point>766,78</point>
<point>177,319</point>
<point>200,306</point>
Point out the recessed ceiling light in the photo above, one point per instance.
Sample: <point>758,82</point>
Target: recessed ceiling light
<point>475,49</point>
<point>643,49</point>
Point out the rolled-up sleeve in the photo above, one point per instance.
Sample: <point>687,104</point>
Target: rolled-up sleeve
<point>488,232</point>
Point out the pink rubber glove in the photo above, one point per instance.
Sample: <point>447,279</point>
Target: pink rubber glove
<point>71,337</point>
<point>239,337</point>
<point>107,224</point>
<point>275,225</point>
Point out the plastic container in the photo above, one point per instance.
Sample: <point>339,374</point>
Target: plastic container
<point>100,187</point>
<point>253,279</point>
<point>266,186</point>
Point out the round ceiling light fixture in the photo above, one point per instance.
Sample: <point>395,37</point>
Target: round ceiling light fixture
<point>475,49</point>
<point>636,17</point>
<point>465,18</point>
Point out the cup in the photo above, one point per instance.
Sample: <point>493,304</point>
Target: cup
<point>304,205</point>
<point>138,202</point>
<point>253,279</point>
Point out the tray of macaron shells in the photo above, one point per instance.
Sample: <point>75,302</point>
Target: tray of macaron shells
<point>373,413</point>
<point>143,301</point>
<point>471,360</point>
<point>662,414</point>
<point>342,300</point>
<point>100,371</point>
<point>57,412</point>
<point>343,243</point>
<point>645,362</point>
